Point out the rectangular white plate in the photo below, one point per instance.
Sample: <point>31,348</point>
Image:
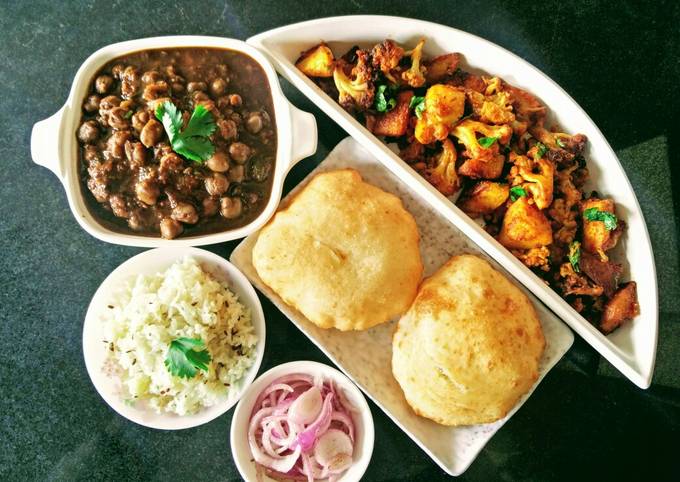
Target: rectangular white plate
<point>365,356</point>
<point>631,348</point>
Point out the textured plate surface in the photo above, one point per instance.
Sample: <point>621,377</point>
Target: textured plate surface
<point>366,356</point>
<point>632,348</point>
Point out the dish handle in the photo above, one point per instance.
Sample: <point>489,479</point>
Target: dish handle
<point>45,143</point>
<point>305,137</point>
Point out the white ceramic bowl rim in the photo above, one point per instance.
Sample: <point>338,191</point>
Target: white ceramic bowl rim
<point>153,261</point>
<point>365,431</point>
<point>54,144</point>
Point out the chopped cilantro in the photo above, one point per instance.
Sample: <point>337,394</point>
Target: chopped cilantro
<point>383,101</point>
<point>541,149</point>
<point>487,142</point>
<point>594,214</point>
<point>183,360</point>
<point>418,105</point>
<point>559,142</point>
<point>575,255</point>
<point>517,192</point>
<point>192,142</point>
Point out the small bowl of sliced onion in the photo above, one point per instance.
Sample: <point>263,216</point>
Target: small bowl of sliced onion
<point>302,421</point>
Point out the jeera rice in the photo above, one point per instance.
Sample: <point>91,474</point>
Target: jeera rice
<point>153,310</point>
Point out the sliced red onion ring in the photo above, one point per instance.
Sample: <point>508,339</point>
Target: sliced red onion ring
<point>308,436</point>
<point>306,408</point>
<point>282,464</point>
<point>345,420</point>
<point>301,428</point>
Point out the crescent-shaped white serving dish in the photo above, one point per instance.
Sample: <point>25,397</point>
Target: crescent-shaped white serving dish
<point>54,144</point>
<point>632,348</point>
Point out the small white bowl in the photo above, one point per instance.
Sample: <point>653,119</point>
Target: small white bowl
<point>363,419</point>
<point>150,262</point>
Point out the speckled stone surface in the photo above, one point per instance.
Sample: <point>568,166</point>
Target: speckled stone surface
<point>619,60</point>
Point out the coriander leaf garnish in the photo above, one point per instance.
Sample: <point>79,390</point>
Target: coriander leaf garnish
<point>517,192</point>
<point>487,142</point>
<point>575,255</point>
<point>609,219</point>
<point>541,149</point>
<point>192,142</point>
<point>382,102</point>
<point>183,360</point>
<point>128,114</point>
<point>418,105</point>
<point>559,142</point>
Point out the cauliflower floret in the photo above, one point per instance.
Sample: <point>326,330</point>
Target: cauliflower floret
<point>563,148</point>
<point>484,198</point>
<point>386,57</point>
<point>525,226</point>
<point>442,174</point>
<point>444,105</point>
<point>415,75</point>
<point>536,176</point>
<point>491,109</point>
<point>317,61</point>
<point>482,162</point>
<point>358,92</point>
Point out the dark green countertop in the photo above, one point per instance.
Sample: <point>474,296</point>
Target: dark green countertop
<point>620,62</point>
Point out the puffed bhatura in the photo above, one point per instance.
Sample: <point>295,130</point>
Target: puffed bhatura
<point>469,346</point>
<point>344,253</point>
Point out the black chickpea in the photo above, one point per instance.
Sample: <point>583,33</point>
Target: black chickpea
<point>218,87</point>
<point>218,162</point>
<point>151,133</point>
<point>147,191</point>
<point>236,173</point>
<point>239,152</point>
<point>231,207</point>
<point>170,228</point>
<point>185,213</point>
<point>254,122</point>
<point>92,103</point>
<point>235,100</point>
<point>196,87</point>
<point>217,184</point>
<point>88,132</point>
<point>103,84</point>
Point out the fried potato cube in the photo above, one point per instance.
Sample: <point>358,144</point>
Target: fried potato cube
<point>525,226</point>
<point>444,105</point>
<point>596,237</point>
<point>394,123</point>
<point>317,61</point>
<point>483,198</point>
<point>440,67</point>
<point>479,168</point>
<point>621,307</point>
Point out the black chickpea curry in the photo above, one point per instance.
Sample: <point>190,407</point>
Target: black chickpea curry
<point>486,141</point>
<point>178,142</point>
